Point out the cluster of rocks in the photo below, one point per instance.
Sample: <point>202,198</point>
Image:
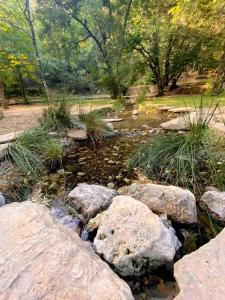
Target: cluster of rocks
<point>132,232</point>
<point>182,123</point>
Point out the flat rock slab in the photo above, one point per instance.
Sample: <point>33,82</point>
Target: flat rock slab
<point>77,134</point>
<point>176,124</point>
<point>44,260</point>
<point>219,128</point>
<point>112,120</point>
<point>164,108</point>
<point>179,110</point>
<point>201,274</point>
<point>9,137</point>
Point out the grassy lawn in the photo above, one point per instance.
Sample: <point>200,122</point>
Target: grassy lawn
<point>69,99</point>
<point>184,100</point>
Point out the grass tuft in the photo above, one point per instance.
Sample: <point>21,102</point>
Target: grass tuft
<point>183,159</point>
<point>32,151</point>
<point>57,116</point>
<point>95,126</point>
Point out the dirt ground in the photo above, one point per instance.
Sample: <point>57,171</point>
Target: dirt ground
<point>21,117</point>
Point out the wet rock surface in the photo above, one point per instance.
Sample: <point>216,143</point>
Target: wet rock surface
<point>215,202</point>
<point>44,260</point>
<point>133,239</point>
<point>177,203</point>
<point>201,274</point>
<point>90,199</point>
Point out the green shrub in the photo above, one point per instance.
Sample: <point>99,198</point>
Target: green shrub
<point>32,150</point>
<point>119,104</point>
<point>216,162</point>
<point>141,97</point>
<point>57,116</point>
<point>181,159</point>
<point>1,115</point>
<point>52,152</point>
<point>29,163</point>
<point>95,126</point>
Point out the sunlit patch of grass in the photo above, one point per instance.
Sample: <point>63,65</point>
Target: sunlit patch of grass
<point>183,100</point>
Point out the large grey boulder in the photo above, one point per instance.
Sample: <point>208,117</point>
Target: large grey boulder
<point>44,260</point>
<point>201,274</point>
<point>133,239</point>
<point>215,202</point>
<point>90,199</point>
<point>177,203</point>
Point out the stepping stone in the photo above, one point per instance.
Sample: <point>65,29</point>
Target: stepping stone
<point>175,124</point>
<point>219,128</point>
<point>164,108</point>
<point>112,120</point>
<point>9,137</point>
<point>181,109</point>
<point>77,134</point>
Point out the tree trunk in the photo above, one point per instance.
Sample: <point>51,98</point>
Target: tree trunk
<point>174,84</point>
<point>161,85</point>
<point>2,96</point>
<point>36,50</point>
<point>22,87</point>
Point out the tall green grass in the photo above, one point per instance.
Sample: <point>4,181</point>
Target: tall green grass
<point>1,115</point>
<point>94,125</point>
<point>183,159</point>
<point>57,116</point>
<point>32,151</point>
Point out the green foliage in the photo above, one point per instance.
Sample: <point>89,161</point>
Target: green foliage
<point>141,96</point>
<point>1,115</point>
<point>27,161</point>
<point>52,152</point>
<point>181,159</point>
<point>57,116</point>
<point>216,161</point>
<point>119,104</point>
<point>95,126</point>
<point>32,150</point>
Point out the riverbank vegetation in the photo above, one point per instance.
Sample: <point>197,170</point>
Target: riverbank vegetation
<point>91,47</point>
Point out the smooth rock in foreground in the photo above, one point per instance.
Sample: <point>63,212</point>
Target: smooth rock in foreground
<point>44,260</point>
<point>201,274</point>
<point>181,109</point>
<point>178,204</point>
<point>215,202</point>
<point>133,239</point>
<point>90,199</point>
